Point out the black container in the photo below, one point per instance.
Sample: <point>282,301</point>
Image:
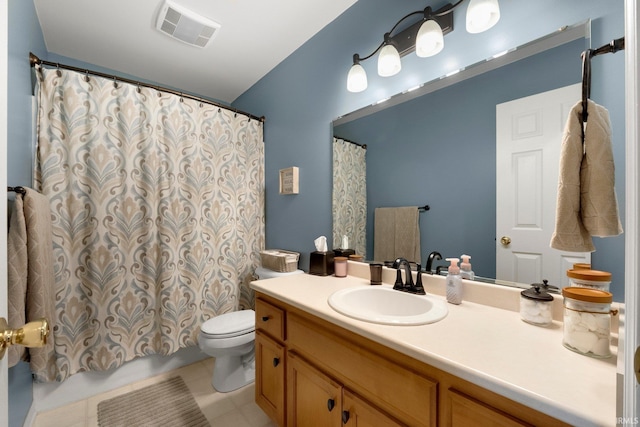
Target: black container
<point>321,263</point>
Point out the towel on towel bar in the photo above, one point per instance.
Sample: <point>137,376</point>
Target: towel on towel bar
<point>586,204</point>
<point>396,234</point>
<point>31,277</point>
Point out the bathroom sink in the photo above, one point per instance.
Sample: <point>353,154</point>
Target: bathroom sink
<point>386,306</point>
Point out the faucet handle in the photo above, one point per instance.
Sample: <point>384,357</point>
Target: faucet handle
<point>418,288</point>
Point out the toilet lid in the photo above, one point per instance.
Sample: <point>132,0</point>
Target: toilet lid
<point>230,324</point>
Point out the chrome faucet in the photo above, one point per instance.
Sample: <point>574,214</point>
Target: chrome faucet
<point>433,255</point>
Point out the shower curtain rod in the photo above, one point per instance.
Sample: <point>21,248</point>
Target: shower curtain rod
<point>352,142</point>
<point>34,60</point>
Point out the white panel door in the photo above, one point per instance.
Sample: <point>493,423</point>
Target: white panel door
<point>528,140</point>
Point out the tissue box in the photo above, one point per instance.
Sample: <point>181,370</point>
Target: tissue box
<point>279,260</point>
<point>321,263</point>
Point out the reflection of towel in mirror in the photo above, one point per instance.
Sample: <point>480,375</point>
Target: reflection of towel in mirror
<point>31,280</point>
<point>396,234</point>
<point>587,204</point>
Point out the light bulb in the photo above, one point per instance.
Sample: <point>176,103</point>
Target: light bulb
<point>356,79</point>
<point>389,61</point>
<point>429,40</point>
<point>482,15</point>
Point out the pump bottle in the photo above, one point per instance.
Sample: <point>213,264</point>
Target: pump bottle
<point>465,268</point>
<point>454,282</point>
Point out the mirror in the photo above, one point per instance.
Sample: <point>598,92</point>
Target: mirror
<point>436,145</point>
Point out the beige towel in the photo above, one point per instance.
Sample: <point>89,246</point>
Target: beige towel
<point>587,204</point>
<point>17,276</point>
<point>396,234</point>
<point>31,276</point>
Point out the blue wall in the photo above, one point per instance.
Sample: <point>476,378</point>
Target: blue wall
<point>25,36</point>
<point>306,92</point>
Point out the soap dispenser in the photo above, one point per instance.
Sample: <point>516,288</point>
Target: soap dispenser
<point>454,282</point>
<point>465,268</point>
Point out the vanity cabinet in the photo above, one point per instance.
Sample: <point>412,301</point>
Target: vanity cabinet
<point>270,360</point>
<point>316,400</point>
<point>333,373</point>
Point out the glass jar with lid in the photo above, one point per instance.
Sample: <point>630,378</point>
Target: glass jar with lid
<point>587,278</point>
<point>587,321</point>
<point>536,305</point>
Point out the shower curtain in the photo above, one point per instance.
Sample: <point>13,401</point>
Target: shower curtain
<point>157,205</point>
<point>349,195</point>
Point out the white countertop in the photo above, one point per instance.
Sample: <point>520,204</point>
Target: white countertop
<point>488,346</point>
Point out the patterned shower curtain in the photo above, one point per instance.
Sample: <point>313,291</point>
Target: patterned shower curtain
<point>157,204</point>
<point>349,195</point>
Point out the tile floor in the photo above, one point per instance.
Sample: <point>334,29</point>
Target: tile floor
<point>234,409</point>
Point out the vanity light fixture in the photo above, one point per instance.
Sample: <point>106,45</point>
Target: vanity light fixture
<point>425,37</point>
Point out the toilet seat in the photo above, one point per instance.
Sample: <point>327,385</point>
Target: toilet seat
<point>229,325</point>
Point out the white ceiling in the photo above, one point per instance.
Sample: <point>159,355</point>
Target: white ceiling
<point>255,36</point>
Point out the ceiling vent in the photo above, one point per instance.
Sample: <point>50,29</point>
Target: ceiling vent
<point>186,25</point>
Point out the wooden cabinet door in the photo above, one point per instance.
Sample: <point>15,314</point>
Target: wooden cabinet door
<point>313,399</point>
<point>358,413</point>
<point>270,377</point>
<point>467,411</point>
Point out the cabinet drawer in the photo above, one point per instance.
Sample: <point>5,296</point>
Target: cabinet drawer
<point>408,395</point>
<point>270,319</point>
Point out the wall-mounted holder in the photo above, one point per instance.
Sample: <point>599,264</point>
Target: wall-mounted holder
<point>289,182</point>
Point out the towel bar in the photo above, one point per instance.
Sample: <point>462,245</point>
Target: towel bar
<point>19,190</point>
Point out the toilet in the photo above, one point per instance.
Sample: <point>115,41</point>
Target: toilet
<point>230,339</point>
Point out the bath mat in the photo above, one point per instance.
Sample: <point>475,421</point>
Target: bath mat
<point>167,403</point>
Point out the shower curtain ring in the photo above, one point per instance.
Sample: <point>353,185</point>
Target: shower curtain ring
<point>115,83</point>
<point>58,72</point>
<point>86,76</point>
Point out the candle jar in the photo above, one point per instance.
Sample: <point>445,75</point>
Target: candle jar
<point>587,321</point>
<point>340,266</point>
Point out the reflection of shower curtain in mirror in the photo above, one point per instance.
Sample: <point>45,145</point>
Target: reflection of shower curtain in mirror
<point>349,195</point>
<point>158,216</point>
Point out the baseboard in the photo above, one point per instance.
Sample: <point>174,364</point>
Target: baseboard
<point>30,419</point>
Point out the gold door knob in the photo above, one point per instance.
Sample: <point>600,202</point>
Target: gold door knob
<point>33,334</point>
<point>505,240</point>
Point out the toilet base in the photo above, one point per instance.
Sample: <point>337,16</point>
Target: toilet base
<point>233,372</point>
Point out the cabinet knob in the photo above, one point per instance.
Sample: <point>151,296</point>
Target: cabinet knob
<point>276,361</point>
<point>345,417</point>
<point>331,404</point>
<point>265,318</point>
